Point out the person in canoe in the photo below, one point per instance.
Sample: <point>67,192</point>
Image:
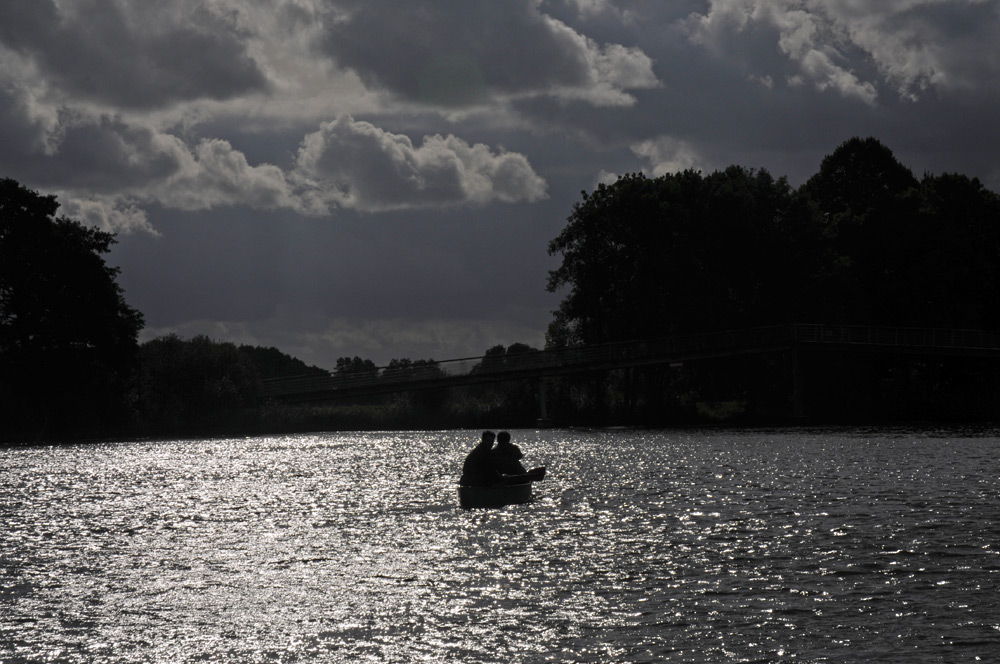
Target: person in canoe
<point>479,469</point>
<point>507,456</point>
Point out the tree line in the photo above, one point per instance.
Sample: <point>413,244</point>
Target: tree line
<point>863,241</point>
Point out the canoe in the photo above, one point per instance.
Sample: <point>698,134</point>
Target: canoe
<point>494,496</point>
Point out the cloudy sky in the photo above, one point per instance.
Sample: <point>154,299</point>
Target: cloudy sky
<point>381,178</point>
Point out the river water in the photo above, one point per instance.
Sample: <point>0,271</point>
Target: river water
<point>695,546</point>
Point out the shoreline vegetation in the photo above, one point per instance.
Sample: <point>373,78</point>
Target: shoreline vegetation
<point>862,242</point>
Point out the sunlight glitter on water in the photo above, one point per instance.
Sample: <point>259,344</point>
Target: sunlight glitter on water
<point>640,546</point>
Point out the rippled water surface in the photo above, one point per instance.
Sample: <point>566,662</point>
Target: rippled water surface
<point>810,546</point>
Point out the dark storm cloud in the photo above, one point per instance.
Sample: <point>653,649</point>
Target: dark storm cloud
<point>405,46</point>
<point>135,55</point>
<point>104,155</point>
<point>454,53</point>
<point>23,129</point>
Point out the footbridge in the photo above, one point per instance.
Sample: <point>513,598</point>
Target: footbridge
<point>667,350</point>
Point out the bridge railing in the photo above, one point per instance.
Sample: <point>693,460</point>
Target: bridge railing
<point>906,337</point>
<point>533,362</point>
<point>631,353</point>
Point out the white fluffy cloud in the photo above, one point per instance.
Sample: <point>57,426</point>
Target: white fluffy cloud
<point>920,44</point>
<point>110,213</point>
<point>214,175</point>
<point>909,43</point>
<point>107,167</point>
<point>356,165</point>
<point>345,165</point>
<point>668,154</point>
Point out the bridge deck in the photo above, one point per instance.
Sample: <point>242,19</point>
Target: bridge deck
<point>562,361</point>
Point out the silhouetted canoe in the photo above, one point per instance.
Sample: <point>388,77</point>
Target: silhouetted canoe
<point>494,496</point>
<point>515,491</point>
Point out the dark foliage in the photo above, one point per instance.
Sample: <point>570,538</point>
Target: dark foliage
<point>355,367</point>
<point>863,242</point>
<point>406,369</point>
<point>196,385</point>
<point>199,386</point>
<point>898,251</point>
<point>67,336</point>
<point>514,402</point>
<point>272,363</point>
<point>683,253</point>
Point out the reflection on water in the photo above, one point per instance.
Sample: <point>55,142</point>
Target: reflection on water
<point>640,547</point>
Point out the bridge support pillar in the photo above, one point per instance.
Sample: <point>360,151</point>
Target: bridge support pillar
<point>543,413</point>
<point>798,387</point>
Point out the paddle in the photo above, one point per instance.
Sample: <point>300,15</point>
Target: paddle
<point>533,475</point>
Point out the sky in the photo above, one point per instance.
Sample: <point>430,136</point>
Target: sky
<point>381,179</point>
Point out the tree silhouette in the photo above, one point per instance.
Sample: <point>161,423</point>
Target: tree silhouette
<point>355,367</point>
<point>194,385</point>
<point>67,336</point>
<point>902,251</point>
<point>682,253</point>
<point>861,177</point>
